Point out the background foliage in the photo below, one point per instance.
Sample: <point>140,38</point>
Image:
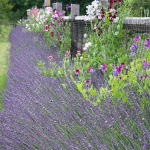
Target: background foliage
<point>15,10</point>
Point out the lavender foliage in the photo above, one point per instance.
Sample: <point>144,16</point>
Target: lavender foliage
<point>40,114</point>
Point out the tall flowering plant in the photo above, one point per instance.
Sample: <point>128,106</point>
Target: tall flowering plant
<point>107,34</point>
<point>51,25</point>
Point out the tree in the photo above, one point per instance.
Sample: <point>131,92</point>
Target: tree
<point>20,7</point>
<point>5,7</point>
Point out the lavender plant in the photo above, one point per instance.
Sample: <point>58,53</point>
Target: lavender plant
<point>41,113</point>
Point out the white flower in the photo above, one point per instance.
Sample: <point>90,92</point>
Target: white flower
<point>85,35</point>
<point>85,48</point>
<point>112,10</point>
<point>98,11</point>
<point>89,44</point>
<point>81,58</point>
<point>98,14</point>
<point>99,17</point>
<point>116,33</point>
<point>86,45</point>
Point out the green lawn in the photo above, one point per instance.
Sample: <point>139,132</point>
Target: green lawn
<point>4,55</point>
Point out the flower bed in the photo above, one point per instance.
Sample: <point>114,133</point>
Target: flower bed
<point>75,105</point>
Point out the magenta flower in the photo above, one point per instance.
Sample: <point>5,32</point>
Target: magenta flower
<point>78,52</point>
<point>119,78</point>
<point>91,70</point>
<point>67,6</point>
<point>54,44</point>
<point>122,64</point>
<point>68,53</point>
<point>103,67</point>
<point>58,33</point>
<point>51,57</point>
<point>141,77</point>
<point>145,65</point>
<point>40,34</point>
<point>54,18</point>
<point>62,19</point>
<point>61,25</point>
<point>88,81</point>
<point>145,75</point>
<point>117,70</point>
<point>137,38</point>
<point>147,43</point>
<point>133,47</point>
<point>66,44</point>
<point>76,71</point>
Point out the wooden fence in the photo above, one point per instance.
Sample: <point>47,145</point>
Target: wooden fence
<point>79,24</point>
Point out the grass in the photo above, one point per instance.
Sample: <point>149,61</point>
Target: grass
<point>4,55</point>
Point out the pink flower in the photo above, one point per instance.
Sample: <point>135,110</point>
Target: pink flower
<point>147,43</point>
<point>119,69</point>
<point>88,81</point>
<point>119,78</point>
<point>78,52</point>
<point>91,70</point>
<point>67,6</point>
<point>77,71</point>
<point>68,53</point>
<point>103,67</point>
<point>137,38</point>
<point>141,77</point>
<point>40,34</point>
<point>51,57</point>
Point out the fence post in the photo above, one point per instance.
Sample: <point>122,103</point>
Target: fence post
<point>104,3</point>
<point>75,11</point>
<point>57,6</point>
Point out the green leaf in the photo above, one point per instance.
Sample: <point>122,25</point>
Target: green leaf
<point>120,94</point>
<point>59,69</point>
<point>79,86</point>
<point>140,90</point>
<point>138,67</point>
<point>85,59</point>
<point>64,85</point>
<point>114,101</point>
<point>87,75</point>
<point>95,103</point>
<point>54,63</point>
<point>148,60</point>
<point>85,96</point>
<point>144,100</point>
<point>132,63</point>
<point>107,20</point>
